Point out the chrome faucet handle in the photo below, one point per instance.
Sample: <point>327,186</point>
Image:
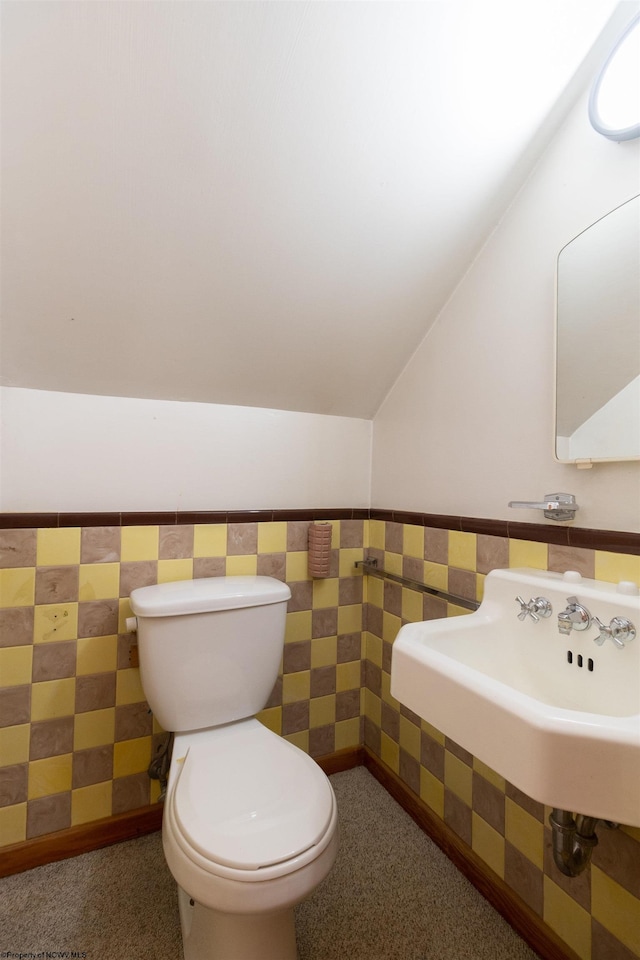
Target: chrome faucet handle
<point>620,631</point>
<point>575,617</point>
<point>534,608</point>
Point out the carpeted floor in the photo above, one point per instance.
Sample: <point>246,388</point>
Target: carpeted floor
<point>392,895</point>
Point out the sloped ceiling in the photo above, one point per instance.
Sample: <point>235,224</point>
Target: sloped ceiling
<point>263,203</point>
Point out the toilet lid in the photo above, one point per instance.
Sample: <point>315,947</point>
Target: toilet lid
<point>247,800</point>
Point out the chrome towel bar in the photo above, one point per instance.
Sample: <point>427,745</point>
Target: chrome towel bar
<point>371,567</point>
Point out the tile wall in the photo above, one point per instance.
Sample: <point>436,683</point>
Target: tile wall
<point>596,914</point>
<point>76,736</point>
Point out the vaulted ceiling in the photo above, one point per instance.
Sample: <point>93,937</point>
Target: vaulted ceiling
<point>263,203</point>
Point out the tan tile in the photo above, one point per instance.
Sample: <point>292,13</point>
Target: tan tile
<point>295,717</point>
<point>618,855</point>
<point>523,877</point>
<point>322,740</point>
<point>301,596</point>
<point>95,692</point>
<point>176,541</point>
<point>436,545</point>
<point>133,720</point>
<point>16,626</point>
<point>18,548</point>
<point>563,558</point>
<point>351,533</point>
<point>297,535</point>
<point>50,738</point>
<point>92,765</point>
<point>323,681</point>
<point>324,622</point>
<point>457,815</point>
<point>131,792</point>
<point>242,539</point>
<point>100,544</point>
<point>393,537</point>
<point>48,814</point>
<point>488,802</point>
<point>347,704</point>
<point>462,583</point>
<point>604,946</point>
<point>15,705</point>
<point>13,784</point>
<point>209,567</point>
<point>137,573</point>
<point>57,584</point>
<point>349,647</point>
<point>390,722</point>
<point>98,618</point>
<point>53,661</point>
<point>272,565</point>
<point>492,553</point>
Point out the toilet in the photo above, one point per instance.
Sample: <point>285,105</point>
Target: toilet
<point>250,821</point>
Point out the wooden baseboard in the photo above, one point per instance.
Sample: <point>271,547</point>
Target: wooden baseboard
<point>80,839</point>
<point>515,911</point>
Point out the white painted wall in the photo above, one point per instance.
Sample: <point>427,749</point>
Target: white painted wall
<point>468,425</point>
<point>69,452</point>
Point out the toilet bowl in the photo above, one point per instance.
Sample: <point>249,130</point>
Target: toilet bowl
<point>249,830</point>
<point>250,821</point>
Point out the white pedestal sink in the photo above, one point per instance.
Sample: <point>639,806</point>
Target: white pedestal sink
<point>556,714</point>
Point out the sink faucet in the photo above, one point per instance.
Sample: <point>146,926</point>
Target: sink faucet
<point>575,617</point>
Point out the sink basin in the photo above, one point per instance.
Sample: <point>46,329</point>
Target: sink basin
<point>556,715</point>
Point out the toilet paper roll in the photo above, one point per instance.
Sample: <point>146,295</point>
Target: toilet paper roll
<point>320,549</point>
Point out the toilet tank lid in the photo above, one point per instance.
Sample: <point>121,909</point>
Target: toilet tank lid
<point>207,594</point>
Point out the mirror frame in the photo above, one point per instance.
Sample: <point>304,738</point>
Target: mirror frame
<point>580,462</point>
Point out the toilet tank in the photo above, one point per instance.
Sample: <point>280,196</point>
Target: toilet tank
<point>210,649</point>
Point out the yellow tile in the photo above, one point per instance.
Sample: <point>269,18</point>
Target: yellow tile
<point>325,593</point>
<point>124,611</point>
<point>480,579</point>
<point>524,832</point>
<point>413,541</point>
<point>298,626</point>
<point>614,567</point>
<point>390,626</point>
<point>128,687</point>
<point>171,570</point>
<point>462,550</point>
<point>140,543</point>
<point>569,920</point>
<point>350,618</point>
<point>272,537</point>
<point>410,737</point>
<point>96,655</point>
<point>14,744</point>
<point>392,563</point>
<point>297,566</point>
<point>210,540</point>
<point>15,665</point>
<point>272,719</point>
<point>324,651</point>
<point>386,691</point>
<point>458,777</point>
<point>348,676</point>
<point>374,649</point>
<point>17,587</point>
<point>455,611</point>
<point>57,546</point>
<point>244,566</point>
<point>436,575</point>
<point>95,728</point>
<point>489,774</point>
<point>299,740</point>
<point>131,756</point>
<point>155,790</point>
<point>50,775</point>
<point>616,909</point>
<point>348,733</point>
<point>322,711</point>
<point>488,844</point>
<point>347,561</point>
<point>55,621</point>
<point>99,581</point>
<point>53,698</point>
<point>373,707</point>
<point>432,791</point>
<point>376,534</point>
<point>91,803</point>
<point>296,686</point>
<point>13,824</point>
<point>335,534</point>
<point>526,553</point>
<point>389,752</point>
<point>411,605</point>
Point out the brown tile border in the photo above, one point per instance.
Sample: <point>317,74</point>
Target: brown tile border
<point>613,541</point>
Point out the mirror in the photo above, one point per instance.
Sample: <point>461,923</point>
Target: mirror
<point>598,340</point>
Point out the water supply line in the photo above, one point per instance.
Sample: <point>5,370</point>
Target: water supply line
<point>573,841</point>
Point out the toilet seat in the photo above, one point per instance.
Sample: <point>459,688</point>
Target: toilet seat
<point>248,805</point>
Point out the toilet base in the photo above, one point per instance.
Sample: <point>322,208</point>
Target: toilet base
<point>210,935</point>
